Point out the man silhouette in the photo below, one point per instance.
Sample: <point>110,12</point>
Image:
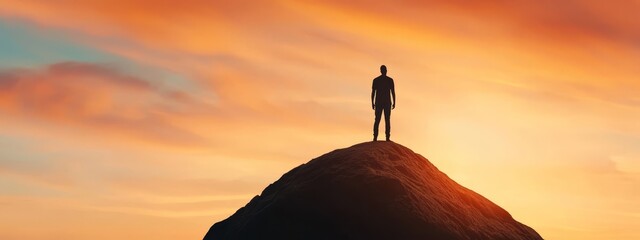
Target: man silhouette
<point>381,101</point>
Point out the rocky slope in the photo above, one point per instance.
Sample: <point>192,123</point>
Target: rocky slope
<point>373,190</point>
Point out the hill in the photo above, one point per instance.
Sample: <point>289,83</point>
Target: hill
<point>373,190</point>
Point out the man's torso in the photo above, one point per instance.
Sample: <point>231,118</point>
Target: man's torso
<point>383,85</point>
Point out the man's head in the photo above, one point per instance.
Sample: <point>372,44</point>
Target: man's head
<point>383,70</point>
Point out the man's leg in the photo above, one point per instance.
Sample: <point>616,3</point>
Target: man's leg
<point>378,114</point>
<point>387,121</point>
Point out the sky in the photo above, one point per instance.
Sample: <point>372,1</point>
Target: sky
<point>155,119</point>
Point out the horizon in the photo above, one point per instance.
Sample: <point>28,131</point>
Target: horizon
<point>145,119</point>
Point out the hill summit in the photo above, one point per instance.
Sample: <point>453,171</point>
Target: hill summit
<point>372,190</point>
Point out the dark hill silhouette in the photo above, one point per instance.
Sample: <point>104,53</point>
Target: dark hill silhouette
<point>373,190</point>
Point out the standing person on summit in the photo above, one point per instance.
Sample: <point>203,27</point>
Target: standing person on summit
<point>381,101</point>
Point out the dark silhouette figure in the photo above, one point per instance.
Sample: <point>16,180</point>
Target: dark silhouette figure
<point>381,101</point>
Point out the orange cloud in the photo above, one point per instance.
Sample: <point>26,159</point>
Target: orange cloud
<point>494,32</point>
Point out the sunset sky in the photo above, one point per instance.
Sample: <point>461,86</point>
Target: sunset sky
<point>153,120</point>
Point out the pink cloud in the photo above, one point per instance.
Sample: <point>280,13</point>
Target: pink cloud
<point>94,97</point>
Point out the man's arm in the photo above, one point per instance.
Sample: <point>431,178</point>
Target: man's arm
<point>373,93</point>
<point>393,93</point>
